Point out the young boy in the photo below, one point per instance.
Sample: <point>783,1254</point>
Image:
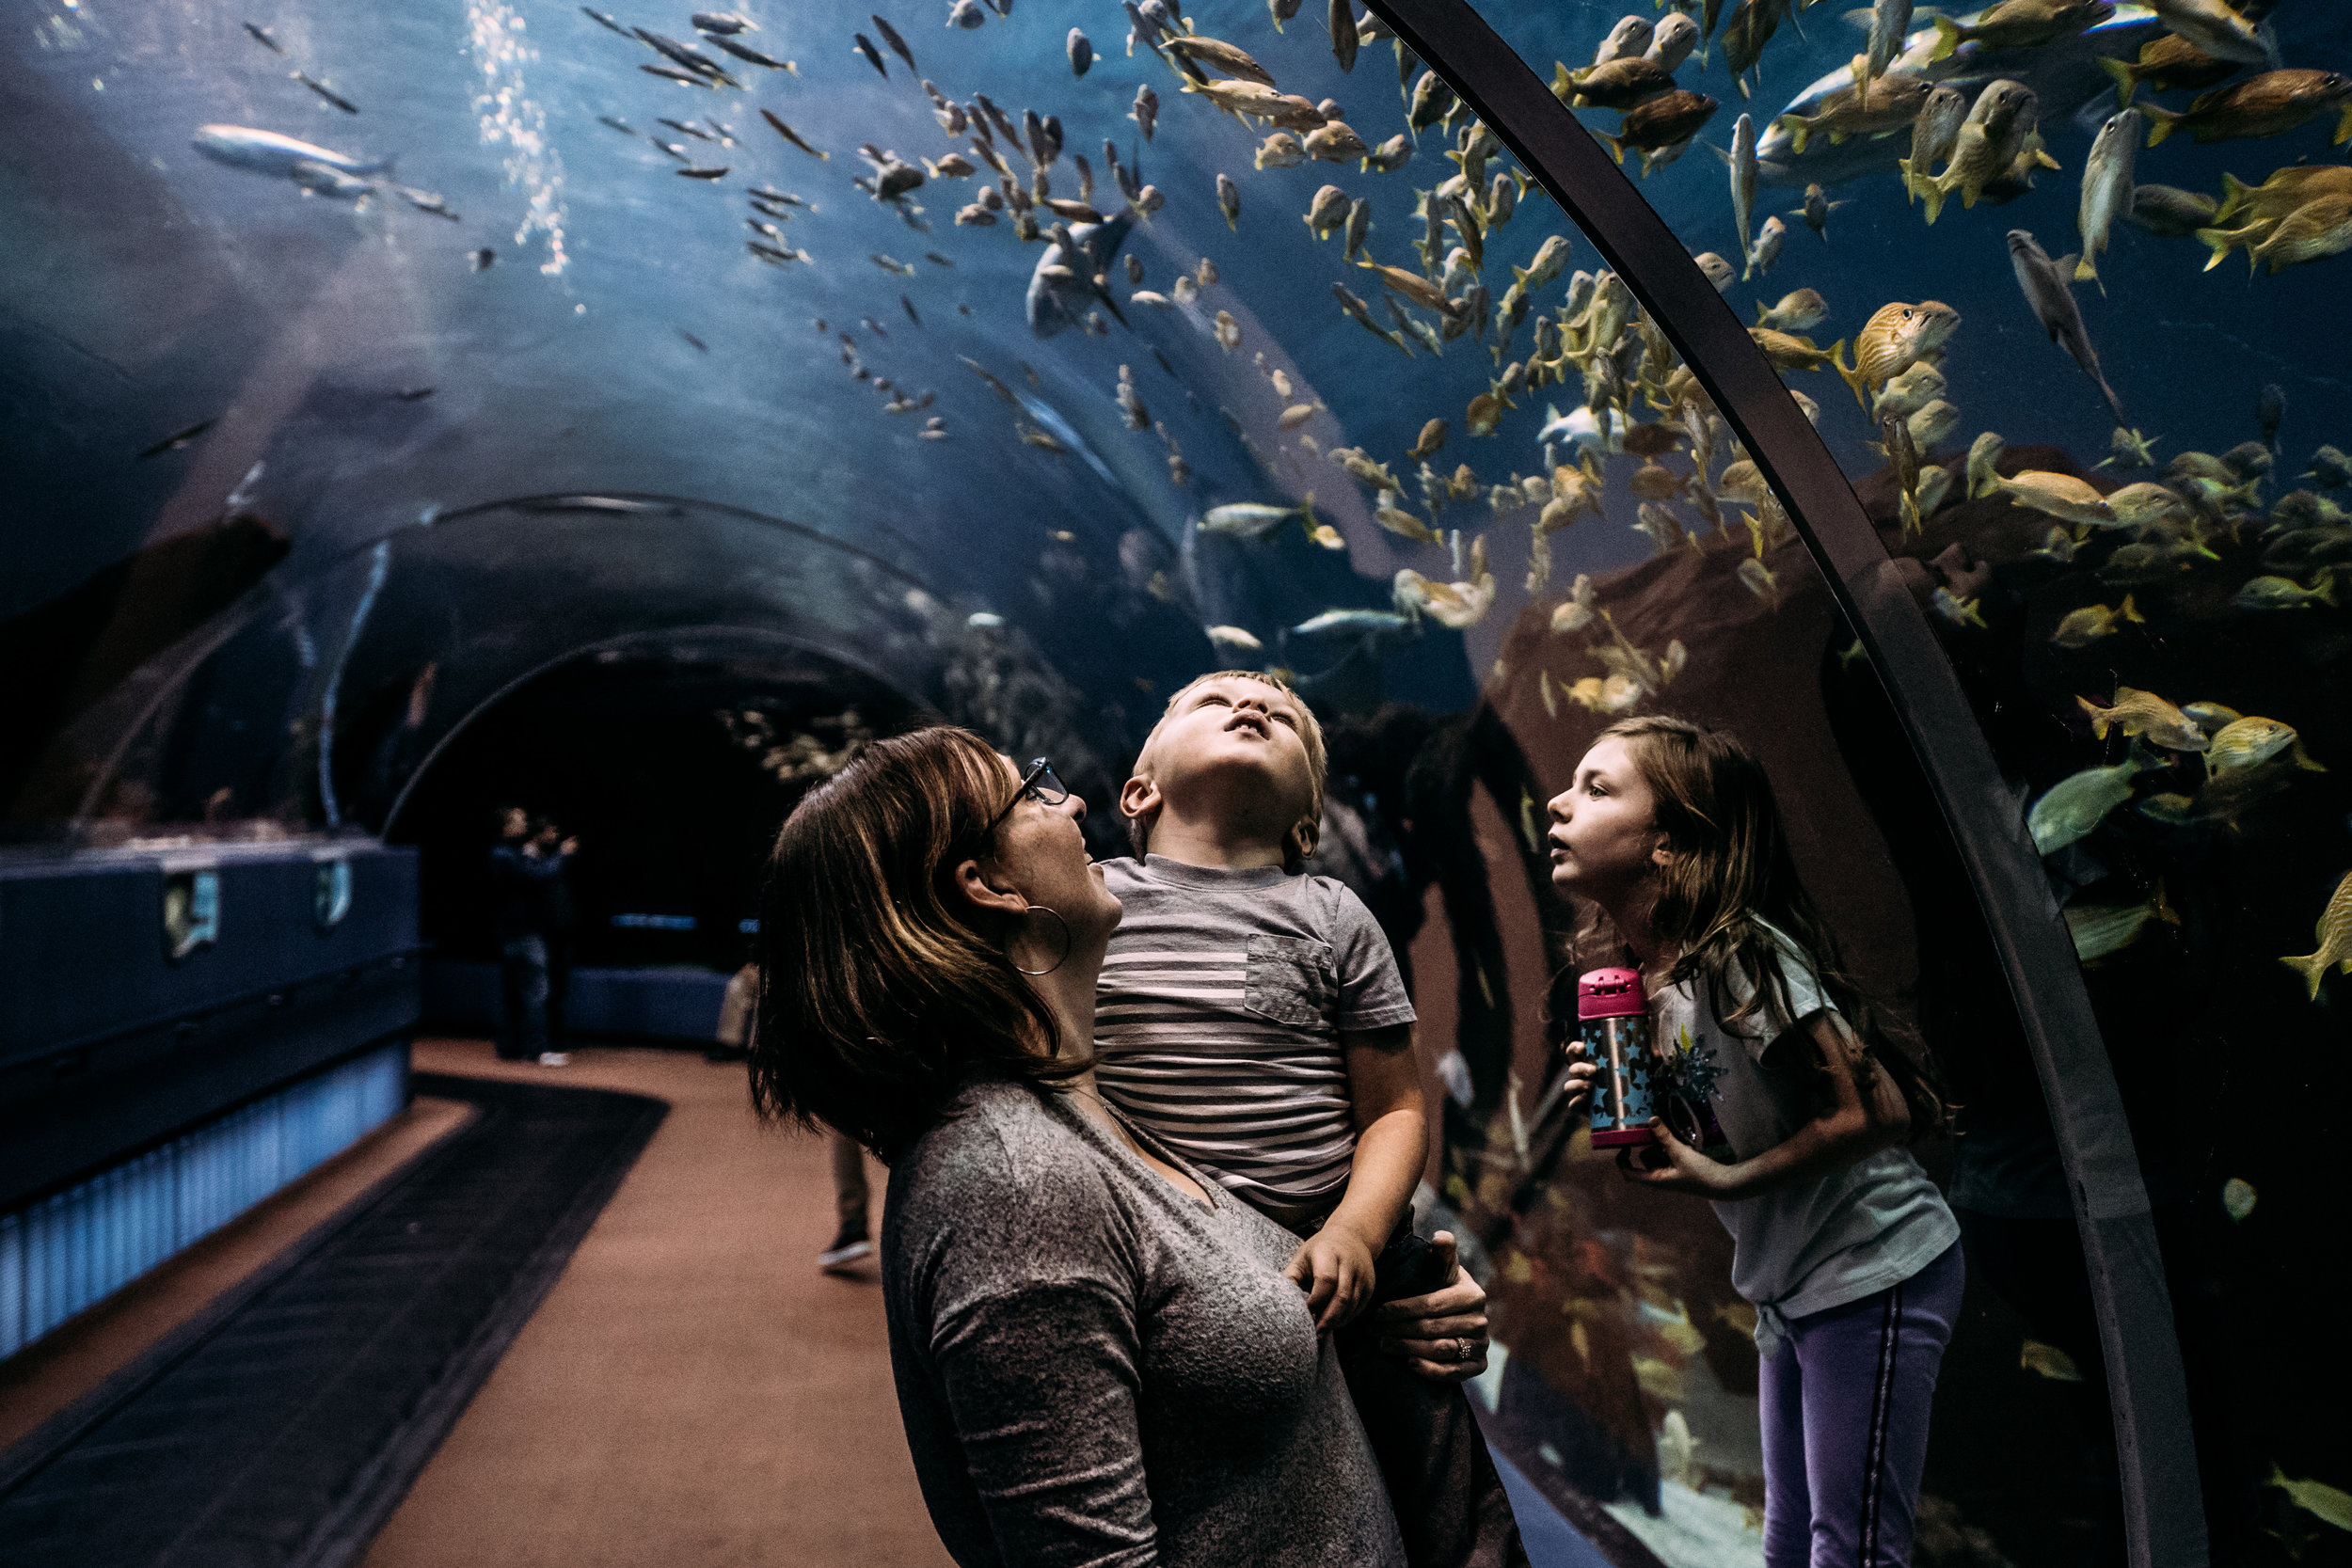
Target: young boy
<point>1251,1016</point>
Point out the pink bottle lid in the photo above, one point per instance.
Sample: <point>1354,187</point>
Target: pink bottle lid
<point>1611,993</point>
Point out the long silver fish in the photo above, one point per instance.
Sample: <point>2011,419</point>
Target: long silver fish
<point>2107,188</point>
<point>1890,29</point>
<point>1744,187</point>
<point>1062,289</point>
<point>268,152</point>
<point>2049,290</point>
<point>2064,75</point>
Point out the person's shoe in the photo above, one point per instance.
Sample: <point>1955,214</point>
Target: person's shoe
<point>555,1058</point>
<point>847,1248</point>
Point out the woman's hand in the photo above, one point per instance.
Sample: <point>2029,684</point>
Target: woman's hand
<point>1335,1269</point>
<point>1577,1083</point>
<point>1442,1335</point>
<point>1672,1165</point>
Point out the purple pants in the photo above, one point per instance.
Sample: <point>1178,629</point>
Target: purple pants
<point>1845,1403</point>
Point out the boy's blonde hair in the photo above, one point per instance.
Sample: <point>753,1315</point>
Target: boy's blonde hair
<point>1310,827</point>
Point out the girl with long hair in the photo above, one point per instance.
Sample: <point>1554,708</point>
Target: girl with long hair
<point>1846,1249</point>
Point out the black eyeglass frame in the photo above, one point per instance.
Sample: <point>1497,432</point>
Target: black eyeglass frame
<point>1031,784</point>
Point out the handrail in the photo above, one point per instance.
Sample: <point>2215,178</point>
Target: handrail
<point>2163,1511</point>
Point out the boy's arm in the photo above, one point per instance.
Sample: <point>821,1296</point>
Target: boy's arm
<point>1392,1148</point>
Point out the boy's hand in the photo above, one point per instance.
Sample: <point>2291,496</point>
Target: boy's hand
<point>1334,1267</point>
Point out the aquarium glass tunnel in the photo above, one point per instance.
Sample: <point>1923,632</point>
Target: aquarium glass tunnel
<point>652,403</point>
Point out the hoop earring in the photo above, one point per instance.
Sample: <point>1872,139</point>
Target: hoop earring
<point>1049,969</point>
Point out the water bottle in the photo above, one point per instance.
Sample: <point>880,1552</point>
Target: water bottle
<point>1613,1017</point>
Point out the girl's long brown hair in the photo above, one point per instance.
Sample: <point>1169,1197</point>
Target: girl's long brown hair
<point>1728,874</point>
<point>881,997</point>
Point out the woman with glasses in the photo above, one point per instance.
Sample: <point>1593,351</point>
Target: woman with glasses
<point>1097,1356</point>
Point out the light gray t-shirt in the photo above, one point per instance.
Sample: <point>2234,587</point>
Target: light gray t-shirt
<point>1217,1020</point>
<point>1844,1235</point>
<point>1095,1369</point>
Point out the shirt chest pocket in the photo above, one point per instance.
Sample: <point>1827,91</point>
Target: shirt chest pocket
<point>1292,980</point>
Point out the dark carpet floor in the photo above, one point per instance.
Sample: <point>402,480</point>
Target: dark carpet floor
<point>281,1428</point>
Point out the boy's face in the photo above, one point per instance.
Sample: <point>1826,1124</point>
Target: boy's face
<point>1230,743</point>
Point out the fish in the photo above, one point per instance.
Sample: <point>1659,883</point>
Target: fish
<point>2073,807</point>
<point>1256,519</point>
<point>1219,56</point>
<point>2058,547</point>
<point>1229,201</point>
<point>1660,128</point>
<point>2044,283</point>
<point>873,56</point>
<point>791,135</point>
<point>2270,412</point>
<point>1280,149</point>
<point>2276,593</point>
<point>1893,103</point>
<point>1146,111</point>
<point>2107,190</point>
<point>1432,101</point>
<point>345,105</point>
<point>1455,605</point>
<point>1081,51</point>
<point>2334,932</point>
<point>2165,63</point>
<point>2237,1201</point>
<point>2270,104</point>
<point>1618,85</point>
<point>2033,1355</point>
<point>966,14</point>
<point>1934,132</point>
<point>2214,27</point>
<point>1759,579</point>
<point>1410,284</point>
<point>2171,213</point>
<point>1909,392</point>
<point>1816,211</point>
<point>2017,25</point>
<point>1959,611</point>
<point>891,41</point>
<point>2060,496</point>
<point>1768,245</point>
<point>2144,713</point>
<point>1390,155</point>
<point>1929,425</point>
<point>1890,28</point>
<point>1630,37</point>
<point>1744,187</point>
<point>2101,930</point>
<point>1896,337</point>
<point>693,61</point>
<point>1717,271</point>
<point>1749,29</point>
<point>1063,282</point>
<point>1344,37</point>
<point>1333,142</point>
<point>1327,212</point>
<point>1357,622</point>
<point>1789,351</point>
<point>1235,638</point>
<point>2331,468</point>
<point>2285,191</point>
<point>2311,233</point>
<point>1671,41</point>
<point>268,152</point>
<point>1358,225</point>
<point>2082,627</point>
<point>1998,134</point>
<point>262,35</point>
<point>2247,742</point>
<point>721,23</point>
<point>719,173</point>
<point>1983,453</point>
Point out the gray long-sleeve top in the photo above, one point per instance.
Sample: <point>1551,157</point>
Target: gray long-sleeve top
<point>1094,1369</point>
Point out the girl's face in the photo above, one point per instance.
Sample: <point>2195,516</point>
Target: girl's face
<point>1604,827</point>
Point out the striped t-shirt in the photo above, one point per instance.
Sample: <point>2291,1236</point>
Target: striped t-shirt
<point>1218,1019</point>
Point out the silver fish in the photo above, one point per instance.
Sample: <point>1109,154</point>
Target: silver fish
<point>1081,53</point>
<point>1063,288</point>
<point>2107,189</point>
<point>1631,36</point>
<point>1744,187</point>
<point>2047,288</point>
<point>268,152</point>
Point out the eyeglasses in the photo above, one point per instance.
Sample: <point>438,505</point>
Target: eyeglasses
<point>1041,784</point>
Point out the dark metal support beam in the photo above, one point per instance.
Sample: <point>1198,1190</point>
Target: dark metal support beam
<point>2162,1508</point>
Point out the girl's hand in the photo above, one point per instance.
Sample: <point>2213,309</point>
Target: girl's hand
<point>1577,1085</point>
<point>1671,1166</point>
<point>1442,1335</point>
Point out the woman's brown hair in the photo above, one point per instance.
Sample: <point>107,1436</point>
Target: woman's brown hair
<point>1729,875</point>
<point>881,995</point>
